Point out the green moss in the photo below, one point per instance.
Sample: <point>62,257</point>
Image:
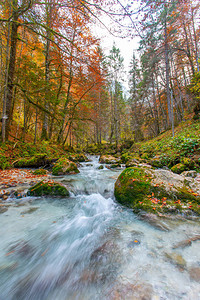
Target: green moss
<point>145,156</point>
<point>188,162</point>
<point>63,166</point>
<point>113,166</point>
<point>108,159</point>
<point>80,157</point>
<point>35,161</point>
<point>4,162</point>
<point>125,157</point>
<point>133,188</point>
<point>187,195</point>
<point>100,168</point>
<point>48,188</point>
<point>179,168</point>
<point>40,172</point>
<point>156,162</point>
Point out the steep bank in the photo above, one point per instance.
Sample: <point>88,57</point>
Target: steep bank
<point>163,173</point>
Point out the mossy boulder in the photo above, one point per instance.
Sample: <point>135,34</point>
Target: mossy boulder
<point>157,191</point>
<point>159,161</point>
<point>156,162</point>
<point>179,168</point>
<point>125,157</point>
<point>191,173</point>
<point>108,159</point>
<point>64,167</point>
<point>44,188</point>
<point>31,162</point>
<point>100,167</point>
<point>132,163</point>
<point>132,186</point>
<point>40,172</point>
<point>79,157</point>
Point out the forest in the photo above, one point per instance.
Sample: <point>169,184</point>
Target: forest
<point>99,162</point>
<point>57,84</point>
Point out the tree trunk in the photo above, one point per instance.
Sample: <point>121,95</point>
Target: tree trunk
<point>195,42</point>
<point>44,134</point>
<point>11,71</point>
<point>5,87</point>
<point>157,127</point>
<point>188,49</point>
<point>167,74</point>
<point>116,116</point>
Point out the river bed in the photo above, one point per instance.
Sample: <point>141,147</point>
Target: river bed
<point>91,248</point>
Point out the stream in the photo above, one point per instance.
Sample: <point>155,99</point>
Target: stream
<point>89,247</point>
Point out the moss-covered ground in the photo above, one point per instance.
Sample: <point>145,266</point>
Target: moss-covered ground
<point>181,152</point>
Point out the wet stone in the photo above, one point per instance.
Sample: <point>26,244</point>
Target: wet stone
<point>191,173</point>
<point>194,273</point>
<point>8,267</point>
<point>136,233</point>
<point>155,221</point>
<point>22,248</point>
<point>183,244</point>
<point>29,211</point>
<point>3,210</point>
<point>176,259</point>
<point>143,291</point>
<point>100,168</point>
<point>134,243</point>
<point>5,197</point>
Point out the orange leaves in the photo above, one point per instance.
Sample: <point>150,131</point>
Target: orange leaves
<point>15,177</point>
<point>9,253</point>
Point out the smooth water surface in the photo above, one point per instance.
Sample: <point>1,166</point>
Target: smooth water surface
<point>89,247</point>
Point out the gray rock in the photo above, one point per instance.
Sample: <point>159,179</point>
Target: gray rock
<point>191,173</point>
<point>194,273</point>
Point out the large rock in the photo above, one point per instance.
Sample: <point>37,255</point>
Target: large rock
<point>108,159</point>
<point>178,168</point>
<point>45,188</point>
<point>191,173</point>
<point>157,191</point>
<point>78,157</point>
<point>132,163</point>
<point>64,167</point>
<point>32,162</point>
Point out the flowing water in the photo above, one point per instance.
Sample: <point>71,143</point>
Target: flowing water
<point>89,247</point>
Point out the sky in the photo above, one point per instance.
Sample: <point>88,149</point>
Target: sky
<point>126,45</point>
